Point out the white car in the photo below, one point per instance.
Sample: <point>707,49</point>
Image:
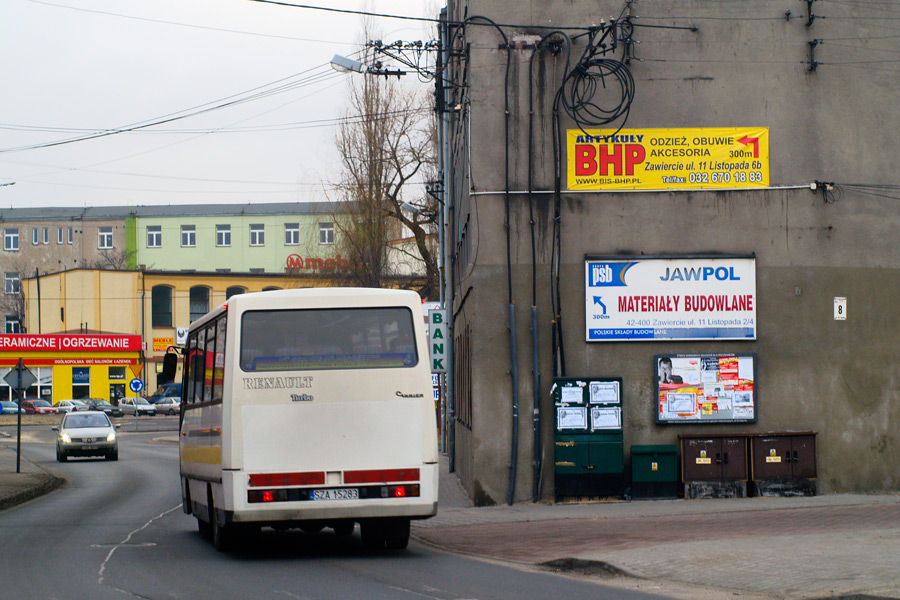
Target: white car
<point>71,406</point>
<point>137,406</point>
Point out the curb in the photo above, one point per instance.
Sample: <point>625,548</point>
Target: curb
<point>46,484</point>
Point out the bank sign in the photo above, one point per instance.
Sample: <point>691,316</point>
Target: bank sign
<point>668,159</point>
<point>648,299</point>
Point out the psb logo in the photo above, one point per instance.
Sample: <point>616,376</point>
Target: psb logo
<point>608,274</point>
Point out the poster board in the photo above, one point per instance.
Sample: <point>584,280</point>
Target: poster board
<point>652,298</point>
<point>706,388</point>
<point>587,404</point>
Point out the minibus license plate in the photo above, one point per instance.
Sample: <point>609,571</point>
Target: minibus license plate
<point>340,494</point>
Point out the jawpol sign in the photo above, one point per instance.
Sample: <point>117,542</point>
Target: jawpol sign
<point>668,298</point>
<point>668,159</point>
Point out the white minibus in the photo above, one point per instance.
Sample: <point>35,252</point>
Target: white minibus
<point>309,408</point>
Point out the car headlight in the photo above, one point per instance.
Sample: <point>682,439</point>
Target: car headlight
<point>111,436</point>
<point>65,438</point>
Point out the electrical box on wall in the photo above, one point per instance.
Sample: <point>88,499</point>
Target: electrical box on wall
<point>589,457</point>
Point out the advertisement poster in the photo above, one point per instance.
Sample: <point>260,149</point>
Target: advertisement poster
<point>706,388</point>
<point>649,298</point>
<point>668,159</point>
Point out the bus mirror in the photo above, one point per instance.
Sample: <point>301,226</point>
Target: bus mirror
<point>170,366</point>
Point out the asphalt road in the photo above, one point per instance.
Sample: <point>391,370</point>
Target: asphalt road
<point>117,531</point>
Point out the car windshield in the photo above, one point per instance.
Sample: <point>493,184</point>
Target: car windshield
<point>74,421</point>
<point>142,401</point>
<point>41,403</point>
<point>100,403</point>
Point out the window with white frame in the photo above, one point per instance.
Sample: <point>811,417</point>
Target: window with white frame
<point>105,238</point>
<point>13,325</point>
<point>291,234</point>
<point>11,282</point>
<point>70,235</point>
<point>46,235</point>
<point>257,235</point>
<point>11,240</point>
<point>188,236</point>
<point>154,236</point>
<point>59,235</point>
<point>223,235</point>
<point>326,233</point>
<point>34,236</point>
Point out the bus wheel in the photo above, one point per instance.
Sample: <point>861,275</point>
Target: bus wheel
<point>372,535</point>
<point>222,537</point>
<point>203,527</point>
<point>396,534</point>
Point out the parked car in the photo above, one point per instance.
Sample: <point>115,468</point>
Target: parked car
<point>88,433</point>
<point>39,407</point>
<point>138,406</point>
<point>167,390</point>
<point>104,406</point>
<point>168,406</point>
<point>71,406</point>
<point>8,407</point>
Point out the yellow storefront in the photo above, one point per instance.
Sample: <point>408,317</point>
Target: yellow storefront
<point>73,365</point>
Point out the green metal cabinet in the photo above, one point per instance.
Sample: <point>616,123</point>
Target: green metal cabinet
<point>588,446</point>
<point>654,471</point>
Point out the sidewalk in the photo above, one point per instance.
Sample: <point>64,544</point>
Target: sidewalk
<point>835,546</point>
<point>832,546</point>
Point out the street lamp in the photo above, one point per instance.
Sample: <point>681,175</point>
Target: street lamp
<point>347,65</point>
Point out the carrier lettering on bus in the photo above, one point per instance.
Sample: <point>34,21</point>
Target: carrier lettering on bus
<point>277,383</point>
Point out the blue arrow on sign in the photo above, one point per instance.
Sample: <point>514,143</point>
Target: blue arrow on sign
<point>136,385</point>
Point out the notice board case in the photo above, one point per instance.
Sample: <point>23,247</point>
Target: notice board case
<point>706,388</point>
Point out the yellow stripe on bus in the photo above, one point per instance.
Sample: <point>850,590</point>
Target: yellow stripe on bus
<point>209,455</point>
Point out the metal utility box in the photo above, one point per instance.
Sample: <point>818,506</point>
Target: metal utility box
<point>654,472</point>
<point>784,463</point>
<point>714,466</point>
<point>589,451</point>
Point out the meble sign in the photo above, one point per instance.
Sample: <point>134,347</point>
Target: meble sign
<point>670,298</point>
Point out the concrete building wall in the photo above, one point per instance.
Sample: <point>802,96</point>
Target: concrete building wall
<point>744,66</point>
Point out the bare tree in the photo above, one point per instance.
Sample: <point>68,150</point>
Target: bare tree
<point>117,260</point>
<point>386,142</point>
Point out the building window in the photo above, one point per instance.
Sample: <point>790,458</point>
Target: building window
<point>199,302</point>
<point>257,235</point>
<point>154,236</point>
<point>81,382</point>
<point>223,235</point>
<point>326,233</point>
<point>188,236</point>
<point>34,236</point>
<point>13,325</point>
<point>234,291</point>
<point>291,234</point>
<point>70,235</point>
<point>46,235</point>
<point>105,238</point>
<point>257,269</point>
<point>59,235</point>
<point>11,281</point>
<point>11,240</point>
<point>161,306</point>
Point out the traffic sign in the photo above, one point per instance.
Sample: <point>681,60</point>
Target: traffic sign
<point>136,385</point>
<point>12,378</point>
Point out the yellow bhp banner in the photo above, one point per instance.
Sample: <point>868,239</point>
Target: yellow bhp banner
<point>668,159</point>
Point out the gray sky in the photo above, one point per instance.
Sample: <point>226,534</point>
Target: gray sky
<point>72,68</point>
